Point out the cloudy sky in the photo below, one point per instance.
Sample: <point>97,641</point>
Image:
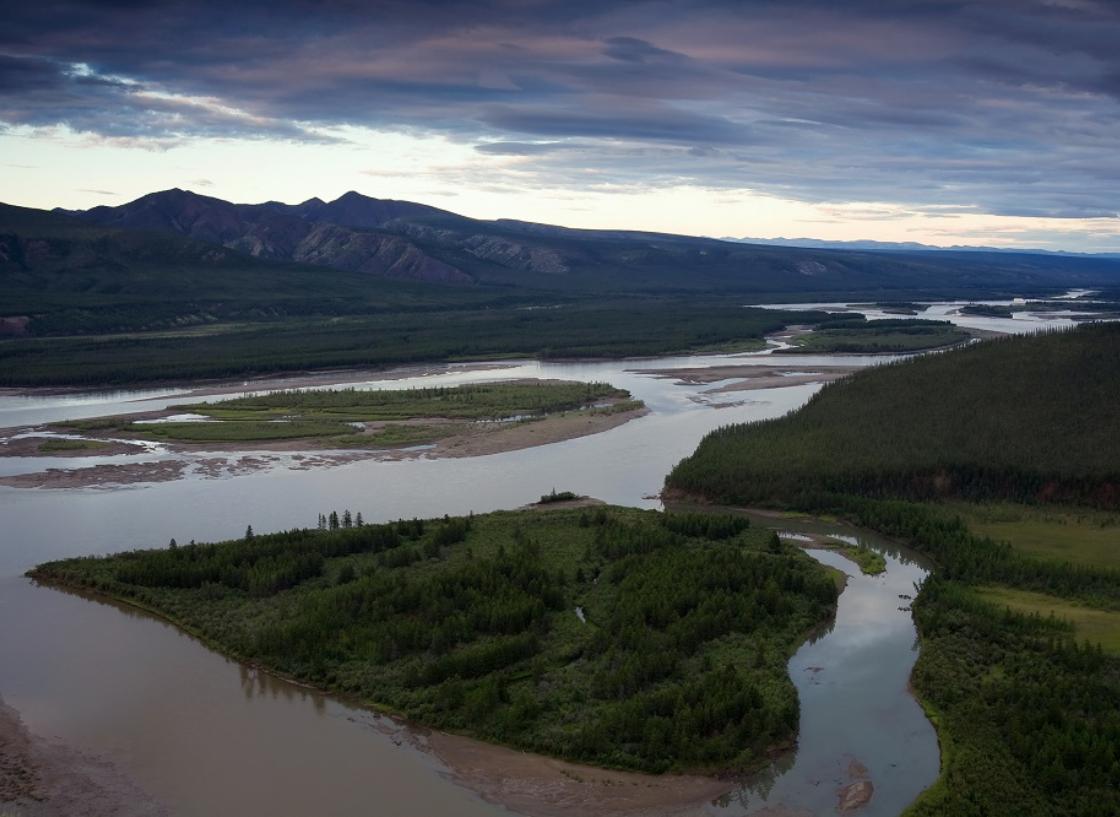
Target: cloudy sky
<point>945,121</point>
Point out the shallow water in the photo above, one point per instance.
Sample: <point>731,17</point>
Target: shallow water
<point>852,681</point>
<point>203,736</point>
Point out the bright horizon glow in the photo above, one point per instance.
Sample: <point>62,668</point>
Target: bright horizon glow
<point>47,168</point>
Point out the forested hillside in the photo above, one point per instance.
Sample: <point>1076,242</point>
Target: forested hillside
<point>622,638</point>
<point>1024,418</point>
<point>61,275</point>
<point>1028,712</point>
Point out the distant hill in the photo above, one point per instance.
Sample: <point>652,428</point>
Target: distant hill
<point>397,239</point>
<point>905,246</point>
<point>1029,419</point>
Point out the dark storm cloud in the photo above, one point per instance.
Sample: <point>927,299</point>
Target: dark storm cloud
<point>1006,106</point>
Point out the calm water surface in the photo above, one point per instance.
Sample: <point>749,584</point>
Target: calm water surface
<point>852,680</point>
<point>207,737</point>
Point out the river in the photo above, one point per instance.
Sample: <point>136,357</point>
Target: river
<point>206,736</point>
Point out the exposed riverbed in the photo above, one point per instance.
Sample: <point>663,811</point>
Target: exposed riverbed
<point>202,735</point>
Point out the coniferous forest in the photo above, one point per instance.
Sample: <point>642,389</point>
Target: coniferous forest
<point>1028,715</point>
<point>624,638</point>
<point>1031,419</point>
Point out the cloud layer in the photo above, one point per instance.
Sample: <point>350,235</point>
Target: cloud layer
<point>1010,107</point>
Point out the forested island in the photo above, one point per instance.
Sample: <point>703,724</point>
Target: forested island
<point>623,638</point>
<point>1000,462</point>
<point>987,310</point>
<point>854,334</point>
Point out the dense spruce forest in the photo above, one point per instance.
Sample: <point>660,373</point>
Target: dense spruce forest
<point>854,334</point>
<point>623,638</point>
<point>592,329</point>
<point>1027,713</point>
<point>1032,418</point>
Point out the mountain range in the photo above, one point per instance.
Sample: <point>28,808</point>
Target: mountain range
<point>176,259</point>
<point>409,241</point>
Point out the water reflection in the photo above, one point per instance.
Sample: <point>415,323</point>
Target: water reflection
<point>256,682</point>
<point>858,720</point>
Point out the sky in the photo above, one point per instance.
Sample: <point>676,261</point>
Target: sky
<point>980,122</point>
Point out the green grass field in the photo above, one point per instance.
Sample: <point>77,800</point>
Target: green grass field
<point>62,445</point>
<point>1089,623</point>
<point>1079,535</point>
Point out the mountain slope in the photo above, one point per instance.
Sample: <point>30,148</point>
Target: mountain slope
<point>60,274</point>
<point>313,232</point>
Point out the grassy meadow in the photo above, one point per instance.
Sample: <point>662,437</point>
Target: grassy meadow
<point>338,416</point>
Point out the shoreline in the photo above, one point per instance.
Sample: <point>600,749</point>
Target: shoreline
<point>291,379</point>
<point>45,778</point>
<point>541,786</point>
<point>527,783</point>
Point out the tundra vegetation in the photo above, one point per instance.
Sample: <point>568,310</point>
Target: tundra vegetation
<point>469,624</point>
<point>999,461</point>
